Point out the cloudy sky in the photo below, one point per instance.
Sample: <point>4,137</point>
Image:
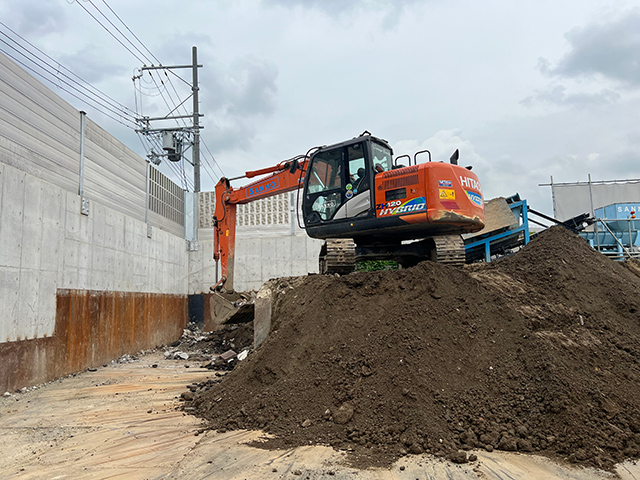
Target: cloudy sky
<point>526,90</point>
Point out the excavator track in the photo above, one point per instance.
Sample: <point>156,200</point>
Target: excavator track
<point>450,250</point>
<point>338,256</point>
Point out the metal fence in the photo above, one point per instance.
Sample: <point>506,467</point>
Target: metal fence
<point>165,197</point>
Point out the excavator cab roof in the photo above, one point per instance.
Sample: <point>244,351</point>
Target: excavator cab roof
<point>364,136</point>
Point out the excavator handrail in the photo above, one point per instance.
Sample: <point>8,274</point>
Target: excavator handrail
<point>415,155</point>
<point>395,160</point>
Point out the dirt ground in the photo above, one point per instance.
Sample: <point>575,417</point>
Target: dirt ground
<point>537,352</point>
<point>124,422</point>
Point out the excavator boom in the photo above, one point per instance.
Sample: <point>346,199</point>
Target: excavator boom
<point>284,177</point>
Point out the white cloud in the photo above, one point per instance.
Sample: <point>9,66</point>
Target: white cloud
<point>557,95</point>
<point>610,48</point>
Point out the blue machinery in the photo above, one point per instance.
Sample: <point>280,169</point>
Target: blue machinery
<point>500,241</point>
<point>615,237</point>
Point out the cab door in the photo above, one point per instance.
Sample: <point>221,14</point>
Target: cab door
<point>357,199</point>
<point>325,186</point>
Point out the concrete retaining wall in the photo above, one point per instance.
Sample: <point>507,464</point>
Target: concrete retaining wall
<point>124,289</point>
<point>258,259</point>
<point>77,289</point>
<point>48,248</point>
<point>48,245</point>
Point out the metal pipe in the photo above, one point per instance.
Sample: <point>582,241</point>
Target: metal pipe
<point>146,194</point>
<point>553,198</point>
<point>624,249</point>
<point>81,182</point>
<point>292,212</point>
<point>593,215</point>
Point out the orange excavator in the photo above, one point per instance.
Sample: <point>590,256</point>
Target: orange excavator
<point>365,204</point>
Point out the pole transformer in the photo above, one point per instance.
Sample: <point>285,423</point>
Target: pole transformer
<point>173,147</point>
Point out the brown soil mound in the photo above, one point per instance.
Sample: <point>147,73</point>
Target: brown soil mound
<point>538,352</point>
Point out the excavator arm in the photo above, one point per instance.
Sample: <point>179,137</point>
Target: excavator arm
<point>285,177</point>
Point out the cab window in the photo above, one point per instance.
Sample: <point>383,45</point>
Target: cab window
<point>325,190</point>
<point>381,158</point>
<point>358,178</point>
<point>325,172</point>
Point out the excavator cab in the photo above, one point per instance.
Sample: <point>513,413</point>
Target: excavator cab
<point>339,178</point>
<point>367,207</point>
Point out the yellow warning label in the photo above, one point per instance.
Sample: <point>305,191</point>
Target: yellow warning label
<point>447,194</point>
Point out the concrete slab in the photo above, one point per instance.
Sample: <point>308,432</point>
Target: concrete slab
<point>9,291</point>
<point>53,216</point>
<point>72,219</point>
<point>284,255</point>
<point>31,225</point>
<point>29,289</point>
<point>46,304</point>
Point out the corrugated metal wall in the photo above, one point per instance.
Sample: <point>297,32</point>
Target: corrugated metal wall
<point>92,328</point>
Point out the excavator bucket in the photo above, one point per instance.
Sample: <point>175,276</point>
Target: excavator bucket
<point>231,308</point>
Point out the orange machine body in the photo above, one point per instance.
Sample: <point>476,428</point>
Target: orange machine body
<point>434,193</point>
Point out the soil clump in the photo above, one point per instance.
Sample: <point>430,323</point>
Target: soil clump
<point>537,352</point>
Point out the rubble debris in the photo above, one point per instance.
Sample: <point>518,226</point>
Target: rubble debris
<point>206,347</point>
<point>458,457</point>
<point>500,360</point>
<point>228,356</point>
<point>126,358</point>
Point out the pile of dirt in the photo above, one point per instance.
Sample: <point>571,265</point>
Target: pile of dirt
<point>538,352</point>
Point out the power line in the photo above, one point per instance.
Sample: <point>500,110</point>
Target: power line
<point>170,103</point>
<point>205,163</point>
<point>84,92</point>
<point>110,33</point>
<point>214,160</point>
<point>85,88</point>
<point>134,35</point>
<point>117,29</point>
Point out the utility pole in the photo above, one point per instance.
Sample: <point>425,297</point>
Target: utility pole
<point>196,123</point>
<point>174,151</point>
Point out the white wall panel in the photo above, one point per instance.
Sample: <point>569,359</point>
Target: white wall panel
<point>11,218</point>
<point>258,259</point>
<point>40,135</point>
<point>572,199</point>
